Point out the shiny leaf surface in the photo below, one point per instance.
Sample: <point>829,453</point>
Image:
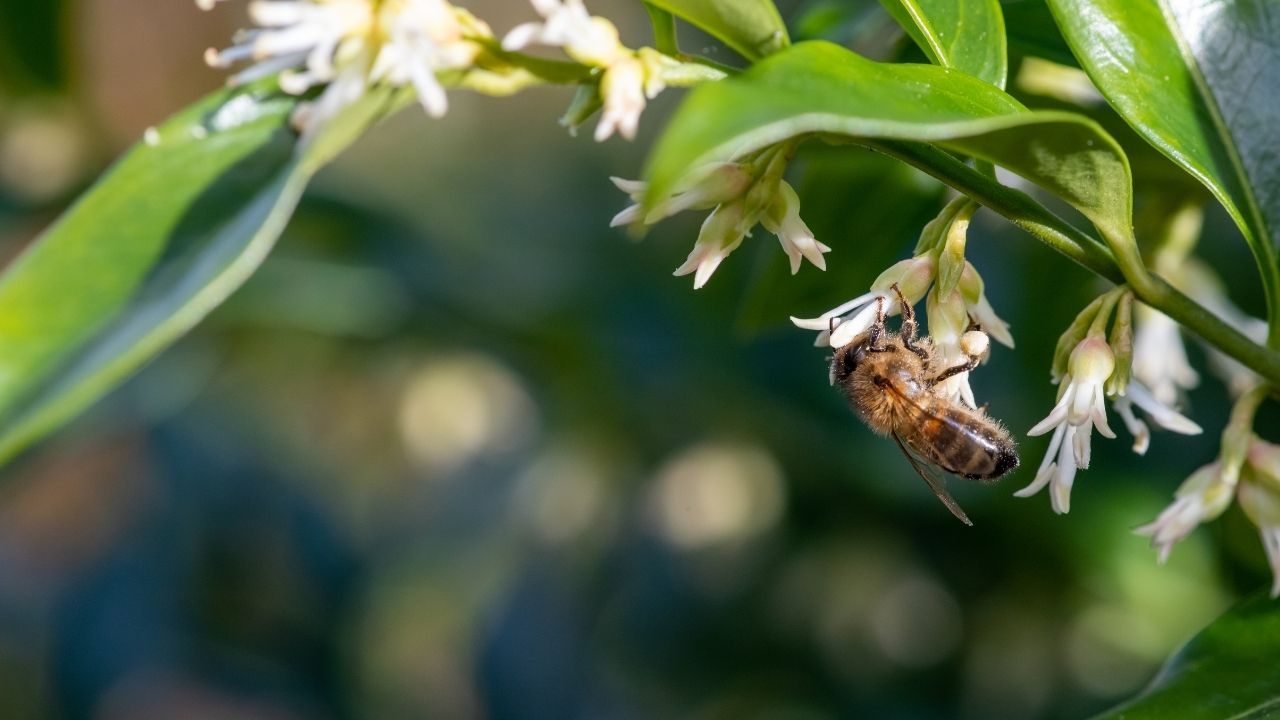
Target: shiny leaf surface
<point>1192,78</point>
<point>818,88</point>
<point>967,35</point>
<point>1226,671</point>
<point>753,28</point>
<point>163,238</point>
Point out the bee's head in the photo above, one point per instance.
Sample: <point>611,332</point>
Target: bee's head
<point>846,359</point>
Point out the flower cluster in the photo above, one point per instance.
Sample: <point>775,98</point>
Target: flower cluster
<point>628,78</point>
<point>348,45</point>
<point>740,195</point>
<point>951,315</point>
<point>1248,470</point>
<point>1091,367</point>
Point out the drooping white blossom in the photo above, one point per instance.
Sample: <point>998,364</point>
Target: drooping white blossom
<point>721,234</point>
<point>798,242</point>
<point>1159,356</point>
<point>741,195</point>
<point>704,188</point>
<point>1163,415</point>
<point>1080,408</point>
<point>1203,496</point>
<point>948,325</point>
<point>973,290</point>
<point>841,325</point>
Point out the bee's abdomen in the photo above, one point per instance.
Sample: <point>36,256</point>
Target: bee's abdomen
<point>963,445</point>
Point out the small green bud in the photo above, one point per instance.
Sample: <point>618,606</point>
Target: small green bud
<point>913,276</point>
<point>933,233</point>
<point>1122,346</point>
<point>1074,334</point>
<point>951,263</point>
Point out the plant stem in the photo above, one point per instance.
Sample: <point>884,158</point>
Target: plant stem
<point>664,31</point>
<point>1023,211</point>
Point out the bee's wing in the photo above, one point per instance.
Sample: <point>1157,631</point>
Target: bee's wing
<point>933,478</point>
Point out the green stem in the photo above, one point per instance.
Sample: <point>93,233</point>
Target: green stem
<point>664,31</point>
<point>1083,248</point>
<point>1108,306</point>
<point>1238,433</point>
<point>1014,205</point>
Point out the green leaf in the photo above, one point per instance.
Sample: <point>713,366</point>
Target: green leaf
<point>753,28</point>
<point>165,236</point>
<point>966,35</point>
<point>1197,80</point>
<point>1227,671</point>
<point>820,88</point>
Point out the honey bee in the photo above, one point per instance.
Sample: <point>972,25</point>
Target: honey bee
<point>893,383</point>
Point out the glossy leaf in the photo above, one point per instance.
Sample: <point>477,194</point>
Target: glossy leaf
<point>1226,671</point>
<point>164,237</point>
<point>966,35</point>
<point>1197,80</point>
<point>753,28</point>
<point>820,88</point>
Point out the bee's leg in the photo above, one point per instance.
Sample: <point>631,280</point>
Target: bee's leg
<point>951,372</point>
<point>875,334</point>
<point>909,327</point>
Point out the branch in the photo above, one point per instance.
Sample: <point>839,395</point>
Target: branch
<point>1023,211</point>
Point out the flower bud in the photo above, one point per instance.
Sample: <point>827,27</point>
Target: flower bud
<point>1122,345</point>
<point>913,276</point>
<point>1091,363</point>
<point>972,289</point>
<point>947,317</point>
<point>951,262</point>
<point>1092,360</point>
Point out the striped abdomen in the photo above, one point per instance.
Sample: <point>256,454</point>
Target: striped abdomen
<point>958,440</point>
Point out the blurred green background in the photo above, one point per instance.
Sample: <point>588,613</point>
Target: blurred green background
<point>460,450</point>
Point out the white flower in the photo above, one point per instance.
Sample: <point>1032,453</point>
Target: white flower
<point>1199,282</point>
<point>704,188</point>
<point>422,38</point>
<point>841,325</point>
<point>628,79</point>
<point>721,234</point>
<point>1160,358</point>
<point>589,40</point>
<point>1158,412</point>
<point>783,219</point>
<point>742,196</point>
<point>948,325</point>
<point>1260,502</point>
<point>1079,410</point>
<point>972,289</point>
<point>1203,496</point>
<point>1259,495</point>
<point>622,88</point>
<point>347,45</point>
